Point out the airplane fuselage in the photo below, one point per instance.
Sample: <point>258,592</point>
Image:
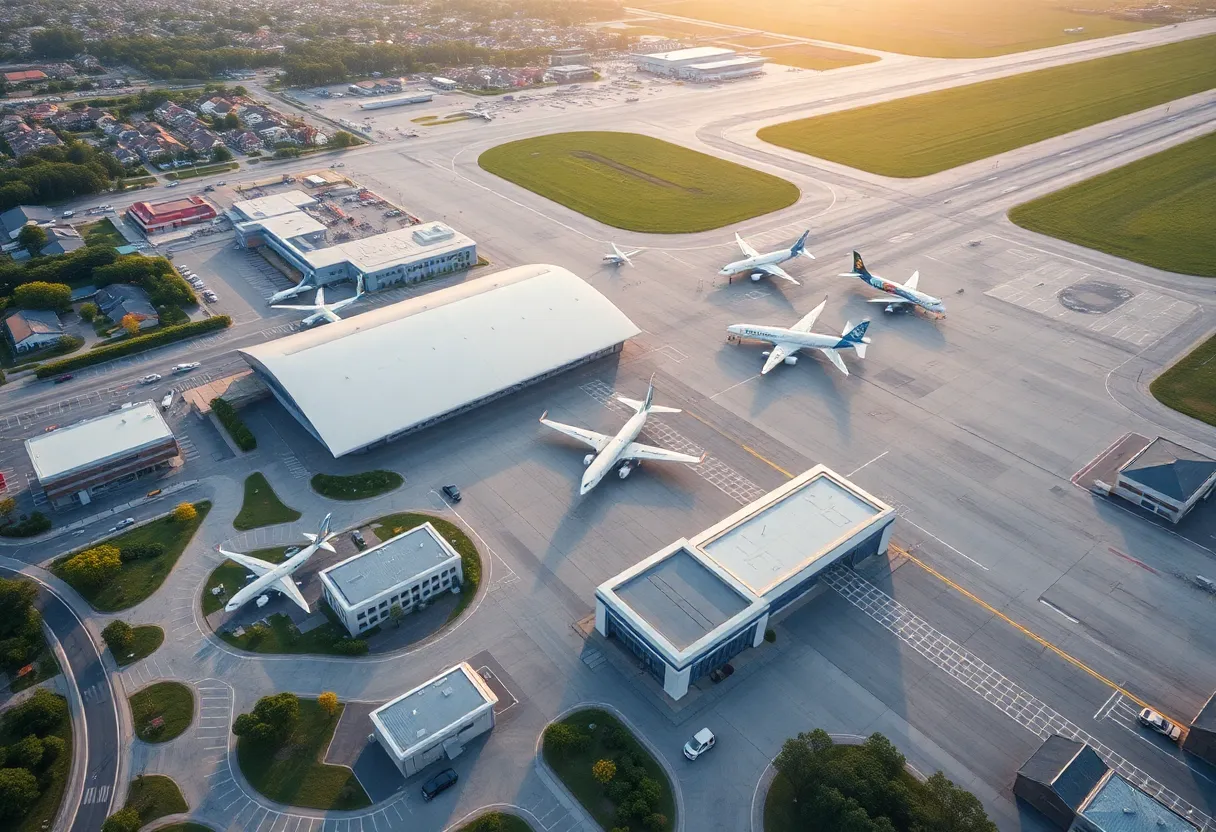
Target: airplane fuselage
<point>611,454</point>
<point>922,300</point>
<point>267,581</point>
<point>781,335</point>
<point>752,263</point>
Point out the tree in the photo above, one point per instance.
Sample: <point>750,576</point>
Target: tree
<point>52,749</point>
<point>231,122</point>
<point>124,820</point>
<point>219,153</point>
<point>130,322</point>
<point>89,311</point>
<point>272,720</point>
<point>56,43</point>
<point>41,295</point>
<point>328,702</point>
<point>800,761</point>
<point>239,90</point>
<point>7,506</point>
<point>94,567</point>
<point>184,513</point>
<point>119,635</point>
<point>603,771</point>
<point>945,807</point>
<point>18,791</point>
<point>27,753</point>
<point>39,715</point>
<point>33,239</point>
<point>396,614</point>
<point>342,139</point>
<point>561,738</point>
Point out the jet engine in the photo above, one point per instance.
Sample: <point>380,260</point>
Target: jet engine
<point>588,459</point>
<point>756,276</point>
<point>791,360</point>
<point>626,470</point>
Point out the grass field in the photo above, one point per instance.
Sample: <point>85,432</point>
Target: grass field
<point>1160,210</point>
<point>497,822</point>
<point>154,796</point>
<point>101,232</point>
<point>51,784</point>
<point>809,56</point>
<point>282,636</point>
<point>356,486</point>
<point>294,774</point>
<point>171,701</point>
<point>928,133</point>
<point>1190,385</point>
<point>203,170</point>
<point>934,28</point>
<point>262,507</point>
<point>138,579</point>
<point>148,639</point>
<point>638,183</point>
<point>470,561</point>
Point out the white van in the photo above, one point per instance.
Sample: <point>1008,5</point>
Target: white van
<point>167,401</point>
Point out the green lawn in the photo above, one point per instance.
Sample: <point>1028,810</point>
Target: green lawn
<point>204,170</point>
<point>148,638</point>
<point>934,28</point>
<point>928,133</point>
<point>392,525</point>
<point>51,785</point>
<point>810,56</point>
<point>138,579</point>
<point>1190,385</point>
<point>154,796</point>
<point>283,637</point>
<point>171,701</point>
<point>574,768</point>
<point>262,507</point>
<point>497,822</point>
<point>185,827</point>
<point>294,774</point>
<point>638,183</point>
<point>1160,210</point>
<point>102,231</point>
<point>356,486</point>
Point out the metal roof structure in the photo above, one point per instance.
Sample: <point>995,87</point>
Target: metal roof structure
<point>287,226</point>
<point>371,254</point>
<point>362,577</point>
<point>1118,806</point>
<point>693,53</point>
<point>1071,768</point>
<point>456,346</point>
<point>728,63</point>
<point>94,441</point>
<point>439,704</point>
<point>272,206</point>
<point>1170,469</point>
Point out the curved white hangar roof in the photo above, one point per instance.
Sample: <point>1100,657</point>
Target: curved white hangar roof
<point>380,374</point>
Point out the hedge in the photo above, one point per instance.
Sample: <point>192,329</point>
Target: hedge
<point>134,345</point>
<point>36,523</point>
<point>232,422</point>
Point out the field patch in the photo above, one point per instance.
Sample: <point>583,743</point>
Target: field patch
<point>1159,211</point>
<point>925,134</point>
<point>809,56</point>
<point>638,183</point>
<point>1190,385</point>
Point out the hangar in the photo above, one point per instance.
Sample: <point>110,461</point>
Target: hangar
<point>694,605</point>
<point>459,348</point>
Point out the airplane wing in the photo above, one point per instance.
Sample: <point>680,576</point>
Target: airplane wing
<point>912,281</point>
<point>288,587</point>
<point>636,450</point>
<point>290,306</point>
<point>255,565</point>
<point>890,300</point>
<point>328,314</point>
<point>836,359</point>
<point>779,353</point>
<point>587,437</point>
<point>777,271</point>
<point>808,320</point>
<point>745,248</point>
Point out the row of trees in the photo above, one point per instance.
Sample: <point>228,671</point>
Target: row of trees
<point>26,763</point>
<point>94,568</point>
<point>273,718</point>
<point>21,637</point>
<point>317,62</point>
<point>54,174</point>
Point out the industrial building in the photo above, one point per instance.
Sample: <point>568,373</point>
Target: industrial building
<point>405,255</point>
<point>1167,479</point>
<point>435,720</point>
<point>405,571</point>
<point>570,74</point>
<point>701,64</point>
<point>569,56</point>
<point>153,217</point>
<point>1075,790</point>
<point>420,98</point>
<point>454,345</point>
<point>76,462</point>
<point>441,83</point>
<point>694,605</point>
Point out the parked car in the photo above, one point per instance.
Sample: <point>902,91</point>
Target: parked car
<point>65,377</point>
<point>357,538</point>
<point>452,493</point>
<point>1156,722</point>
<point>441,782</point>
<point>185,368</point>
<point>49,428</point>
<point>150,378</point>
<point>701,742</point>
<point>67,214</point>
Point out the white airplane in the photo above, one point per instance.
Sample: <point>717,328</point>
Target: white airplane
<point>903,294</point>
<point>278,575</point>
<point>620,258</point>
<point>787,342</point>
<point>287,294</point>
<point>609,450</point>
<point>759,265</point>
<point>323,311</point>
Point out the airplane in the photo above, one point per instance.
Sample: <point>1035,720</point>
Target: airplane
<point>620,258</point>
<point>905,294</point>
<point>759,265</point>
<point>609,450</point>
<point>299,289</point>
<point>323,311</point>
<point>787,342</point>
<point>278,575</point>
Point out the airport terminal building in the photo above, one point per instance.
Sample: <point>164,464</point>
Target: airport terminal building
<point>694,605</point>
<point>701,64</point>
<point>449,351</point>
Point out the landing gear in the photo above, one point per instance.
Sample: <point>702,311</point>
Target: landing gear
<point>627,468</point>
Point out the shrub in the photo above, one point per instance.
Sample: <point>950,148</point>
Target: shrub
<point>119,636</point>
<point>561,738</point>
<point>615,737</point>
<point>93,567</point>
<point>770,635</point>
<point>240,433</point>
<point>351,646</point>
<point>18,791</point>
<point>88,311</point>
<point>36,523</point>
<point>141,551</point>
<point>27,753</point>
<point>618,790</point>
<point>648,791</point>
<point>130,346</point>
<point>39,714</point>
<point>328,702</point>
<point>184,513</point>
<point>657,822</point>
<point>603,771</point>
<point>124,820</point>
<point>52,749</point>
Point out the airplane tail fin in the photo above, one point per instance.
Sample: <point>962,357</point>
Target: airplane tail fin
<point>799,248</point>
<point>358,287</point>
<point>859,265</point>
<point>855,337</point>
<point>649,400</point>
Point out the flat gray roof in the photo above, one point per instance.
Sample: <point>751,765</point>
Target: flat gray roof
<point>681,598</point>
<point>416,716</point>
<point>384,566</point>
<point>765,548</point>
<point>93,441</point>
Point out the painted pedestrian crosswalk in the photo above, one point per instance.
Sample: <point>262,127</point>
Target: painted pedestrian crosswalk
<point>96,794</point>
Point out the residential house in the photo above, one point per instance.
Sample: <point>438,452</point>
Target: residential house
<point>14,219</point>
<point>78,120</point>
<point>275,134</point>
<point>118,300</point>
<point>61,240</point>
<point>245,141</point>
<point>32,329</point>
<point>25,139</point>
<point>44,111</point>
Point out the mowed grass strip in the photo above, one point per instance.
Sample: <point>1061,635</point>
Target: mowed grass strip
<point>638,183</point>
<point>262,507</point>
<point>1159,211</point>
<point>172,702</point>
<point>928,133</point>
<point>154,796</point>
<point>810,56</point>
<point>1190,385</point>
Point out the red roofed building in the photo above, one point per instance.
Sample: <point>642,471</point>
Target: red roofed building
<point>25,75</point>
<point>161,216</point>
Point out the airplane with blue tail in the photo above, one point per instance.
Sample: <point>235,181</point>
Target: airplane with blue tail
<point>787,342</point>
<point>759,265</point>
<point>903,295</point>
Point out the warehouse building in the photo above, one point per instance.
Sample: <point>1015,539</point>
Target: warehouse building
<point>726,69</point>
<point>153,217</point>
<point>435,720</point>
<point>669,64</point>
<point>77,462</point>
<point>455,345</point>
<point>1167,479</point>
<point>419,98</point>
<point>570,74</point>
<point>406,571</point>
<point>694,605</point>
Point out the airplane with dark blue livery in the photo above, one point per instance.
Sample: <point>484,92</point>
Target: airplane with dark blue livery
<point>903,295</point>
<point>787,342</point>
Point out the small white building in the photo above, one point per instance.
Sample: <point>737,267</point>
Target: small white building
<point>435,720</point>
<point>441,83</point>
<point>570,73</point>
<point>1167,479</point>
<point>406,570</point>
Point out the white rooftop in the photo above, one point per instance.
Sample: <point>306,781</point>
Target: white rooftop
<point>274,205</point>
<point>93,441</point>
<point>692,53</point>
<point>289,226</point>
<point>446,349</point>
<point>738,60</point>
<point>371,254</point>
<point>386,565</point>
<point>433,707</point>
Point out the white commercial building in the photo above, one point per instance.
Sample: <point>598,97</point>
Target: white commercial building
<point>1166,478</point>
<point>405,571</point>
<point>694,605</point>
<point>669,63</point>
<point>435,720</point>
<point>448,352</point>
<point>740,66</point>
<point>420,98</point>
